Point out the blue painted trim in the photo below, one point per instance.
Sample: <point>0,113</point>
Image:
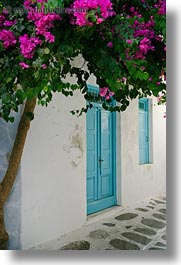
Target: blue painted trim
<point>93,88</point>
<point>145,112</point>
<point>114,152</point>
<point>101,205</point>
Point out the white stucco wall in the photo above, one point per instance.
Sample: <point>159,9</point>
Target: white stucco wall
<point>53,170</point>
<point>142,181</point>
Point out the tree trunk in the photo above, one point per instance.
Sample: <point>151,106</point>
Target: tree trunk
<point>3,233</point>
<point>14,163</point>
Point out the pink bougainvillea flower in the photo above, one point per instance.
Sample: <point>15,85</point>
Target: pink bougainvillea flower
<point>110,44</point>
<point>107,97</point>
<point>132,9</point>
<point>104,10</point>
<point>129,41</point>
<point>8,23</point>
<point>24,65</point>
<point>162,7</point>
<point>44,66</point>
<point>145,45</point>
<point>124,79</point>
<point>28,3</point>
<point>49,37</point>
<point>8,38</point>
<point>103,91</point>
<point>111,94</point>
<point>28,45</point>
<point>99,20</point>
<point>43,22</point>
<point>2,19</point>
<point>142,68</point>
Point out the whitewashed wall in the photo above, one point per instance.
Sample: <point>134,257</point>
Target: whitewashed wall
<point>142,181</point>
<point>53,170</point>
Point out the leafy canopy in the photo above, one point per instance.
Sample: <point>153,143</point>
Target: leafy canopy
<point>123,43</point>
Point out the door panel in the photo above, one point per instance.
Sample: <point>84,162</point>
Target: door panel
<point>100,173</point>
<point>106,173</point>
<point>92,155</point>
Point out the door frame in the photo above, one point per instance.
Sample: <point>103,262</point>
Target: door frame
<point>114,136</point>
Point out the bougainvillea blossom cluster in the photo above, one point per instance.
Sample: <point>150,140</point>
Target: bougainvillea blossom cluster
<point>28,45</point>
<point>103,9</point>
<point>8,38</point>
<point>30,4</point>
<point>44,22</point>
<point>161,5</point>
<point>106,93</point>
<point>132,40</point>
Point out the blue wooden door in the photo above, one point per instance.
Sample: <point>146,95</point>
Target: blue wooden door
<point>143,132</point>
<point>100,159</point>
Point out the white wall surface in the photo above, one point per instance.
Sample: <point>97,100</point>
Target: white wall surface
<point>142,181</point>
<point>53,170</point>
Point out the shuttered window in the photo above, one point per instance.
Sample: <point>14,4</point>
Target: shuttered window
<point>144,131</point>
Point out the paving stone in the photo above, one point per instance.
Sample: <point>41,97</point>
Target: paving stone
<point>109,224</point>
<point>163,210</point>
<point>128,226</point>
<point>77,245</point>
<point>123,245</point>
<point>153,248</point>
<point>98,234</point>
<point>160,216</point>
<point>164,237</point>
<point>152,203</point>
<point>137,238</point>
<point>141,209</point>
<point>145,231</point>
<point>151,207</point>
<point>160,244</point>
<point>153,223</point>
<point>159,202</point>
<point>126,216</point>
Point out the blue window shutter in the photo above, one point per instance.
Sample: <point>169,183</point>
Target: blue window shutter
<point>143,131</point>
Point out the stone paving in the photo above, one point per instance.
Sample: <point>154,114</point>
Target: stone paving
<point>140,227</point>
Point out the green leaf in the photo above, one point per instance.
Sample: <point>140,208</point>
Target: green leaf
<point>46,50</point>
<point>30,115</point>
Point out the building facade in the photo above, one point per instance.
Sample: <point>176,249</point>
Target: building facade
<point>75,166</point>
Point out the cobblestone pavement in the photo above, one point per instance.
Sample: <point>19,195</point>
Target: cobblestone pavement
<point>140,227</point>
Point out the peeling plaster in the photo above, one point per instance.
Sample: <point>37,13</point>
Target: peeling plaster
<point>75,146</point>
